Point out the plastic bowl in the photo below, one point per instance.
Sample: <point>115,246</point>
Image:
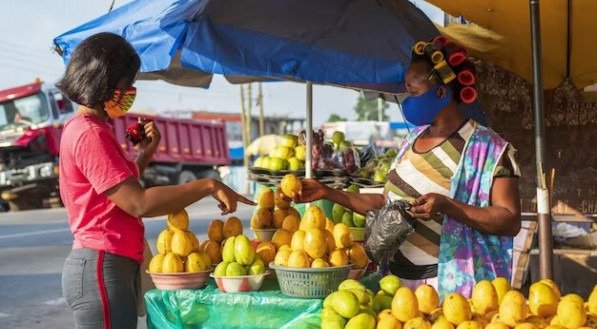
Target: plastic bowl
<point>264,234</point>
<point>243,283</point>
<point>183,280</point>
<point>358,234</point>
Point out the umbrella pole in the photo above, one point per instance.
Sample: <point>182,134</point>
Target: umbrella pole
<point>543,206</point>
<point>309,131</point>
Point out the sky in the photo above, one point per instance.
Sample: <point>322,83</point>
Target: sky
<point>28,27</point>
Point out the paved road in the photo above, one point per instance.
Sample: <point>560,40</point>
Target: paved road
<point>33,246</point>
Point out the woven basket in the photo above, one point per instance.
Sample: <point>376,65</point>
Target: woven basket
<point>310,282</point>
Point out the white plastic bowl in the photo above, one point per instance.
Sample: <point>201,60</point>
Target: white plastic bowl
<point>243,283</point>
<point>183,280</point>
<point>265,234</point>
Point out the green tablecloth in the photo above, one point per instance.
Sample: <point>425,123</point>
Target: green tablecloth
<point>209,308</point>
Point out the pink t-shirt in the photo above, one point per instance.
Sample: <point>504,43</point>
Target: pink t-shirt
<point>92,162</point>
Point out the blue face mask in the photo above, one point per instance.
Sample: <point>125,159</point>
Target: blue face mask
<point>421,110</point>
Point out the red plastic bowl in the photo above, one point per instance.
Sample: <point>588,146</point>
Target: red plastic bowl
<point>183,280</point>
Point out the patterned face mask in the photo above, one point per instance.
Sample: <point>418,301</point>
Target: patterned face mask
<point>121,103</point>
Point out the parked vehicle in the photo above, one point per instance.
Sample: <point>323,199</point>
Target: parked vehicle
<point>31,121</point>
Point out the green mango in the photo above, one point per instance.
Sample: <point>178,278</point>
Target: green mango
<point>390,284</point>
<point>243,251</point>
<point>345,303</point>
<point>358,219</point>
<point>350,284</point>
<point>361,321</point>
<point>235,269</point>
<point>353,189</point>
<point>257,267</point>
<point>381,301</point>
<point>347,219</point>
<point>328,315</point>
<point>221,269</point>
<point>362,296</point>
<point>337,213</point>
<point>228,250</point>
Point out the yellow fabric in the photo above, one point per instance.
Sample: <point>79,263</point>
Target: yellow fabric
<point>503,36</point>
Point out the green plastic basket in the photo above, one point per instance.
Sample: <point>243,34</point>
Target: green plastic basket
<point>310,282</point>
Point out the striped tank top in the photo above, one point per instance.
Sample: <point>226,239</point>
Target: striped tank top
<point>417,174</point>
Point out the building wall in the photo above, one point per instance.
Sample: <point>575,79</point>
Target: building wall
<point>571,137</point>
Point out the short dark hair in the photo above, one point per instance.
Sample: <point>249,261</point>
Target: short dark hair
<point>96,67</point>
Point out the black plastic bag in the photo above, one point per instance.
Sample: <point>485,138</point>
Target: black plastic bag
<point>386,229</point>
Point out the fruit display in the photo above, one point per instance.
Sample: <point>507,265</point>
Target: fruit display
<point>274,212</point>
<point>289,155</point>
<point>493,305</point>
<point>179,249</point>
<point>239,258</point>
<point>377,168</point>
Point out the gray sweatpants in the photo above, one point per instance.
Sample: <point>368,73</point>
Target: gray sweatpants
<point>101,289</point>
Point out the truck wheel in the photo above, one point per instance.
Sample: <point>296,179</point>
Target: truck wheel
<point>186,176</point>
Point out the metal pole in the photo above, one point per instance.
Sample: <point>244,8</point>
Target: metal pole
<point>543,206</point>
<point>309,130</point>
<point>261,119</point>
<point>379,110</point>
<point>243,132</point>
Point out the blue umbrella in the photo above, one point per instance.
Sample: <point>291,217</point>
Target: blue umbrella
<point>361,44</point>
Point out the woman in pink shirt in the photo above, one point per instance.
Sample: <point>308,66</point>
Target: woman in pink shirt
<point>100,187</point>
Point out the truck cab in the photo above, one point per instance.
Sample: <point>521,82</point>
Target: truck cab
<point>31,119</point>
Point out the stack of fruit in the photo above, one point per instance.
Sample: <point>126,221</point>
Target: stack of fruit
<point>377,168</point>
<point>217,232</point>
<point>493,305</point>
<point>178,248</point>
<point>241,268</point>
<point>274,212</point>
<point>287,156</point>
<point>345,215</point>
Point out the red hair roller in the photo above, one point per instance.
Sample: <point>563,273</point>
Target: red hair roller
<point>456,55</point>
<point>439,41</point>
<point>468,95</point>
<point>466,77</point>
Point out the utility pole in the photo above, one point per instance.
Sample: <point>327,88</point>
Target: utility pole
<point>379,109</point>
<point>249,113</point>
<point>261,118</point>
<point>243,132</point>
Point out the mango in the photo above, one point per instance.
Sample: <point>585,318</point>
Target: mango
<point>470,325</point>
<point>314,218</point>
<point>592,301</point>
<point>282,257</point>
<point>299,152</point>
<point>543,301</point>
<point>235,269</point>
<point>417,323</point>
<point>314,244</point>
<point>457,309</point>
<point>357,255</point>
<point>298,240</point>
<point>291,186</point>
<point>213,250</point>
<point>278,218</point>
<point>220,270</point>
<point>537,321</point>
<point>291,223</point>
<point>571,313</point>
<point>258,267</point>
<point>484,298</point>
<point>555,326</point>
<point>194,241</point>
<point>298,259</point>
<point>351,284</point>
<point>338,257</point>
<point>443,324</point>
<point>525,325</point>
<point>347,219</point>
<point>362,296</point>
<point>345,303</point>
<point>329,241</point>
<point>262,219</point>
<point>342,236</point>
<point>385,320</point>
<point>390,284</point>
<point>232,227</point>
<point>502,286</point>
<point>178,220</point>
<point>495,325</point>
<point>382,301</point>
<point>361,321</point>
<point>266,251</point>
<point>172,263</point>
<point>513,308</point>
<point>243,251</point>
<point>281,201</point>
<point>182,245</point>
<point>331,319</point>
<point>197,261</point>
<point>155,265</point>
<point>358,219</point>
<point>553,286</point>
<point>319,263</point>
<point>405,305</point>
<point>427,298</point>
<point>228,250</point>
<point>436,314</point>
<point>337,213</point>
<point>164,241</point>
<point>329,225</point>
<point>215,231</point>
<point>281,237</point>
<point>266,199</point>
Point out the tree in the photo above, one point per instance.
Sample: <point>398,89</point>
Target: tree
<point>335,118</point>
<point>367,109</point>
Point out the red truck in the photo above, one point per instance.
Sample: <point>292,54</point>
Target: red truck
<point>31,120</point>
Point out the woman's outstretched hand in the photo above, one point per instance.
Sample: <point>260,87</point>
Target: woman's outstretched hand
<point>312,190</point>
<point>228,199</point>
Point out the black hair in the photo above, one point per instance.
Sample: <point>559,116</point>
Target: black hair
<point>96,67</point>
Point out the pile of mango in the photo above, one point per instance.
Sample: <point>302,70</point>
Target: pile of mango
<point>345,215</point>
<point>289,155</point>
<point>239,258</point>
<point>493,305</point>
<point>178,248</point>
<point>274,211</point>
<point>217,233</point>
